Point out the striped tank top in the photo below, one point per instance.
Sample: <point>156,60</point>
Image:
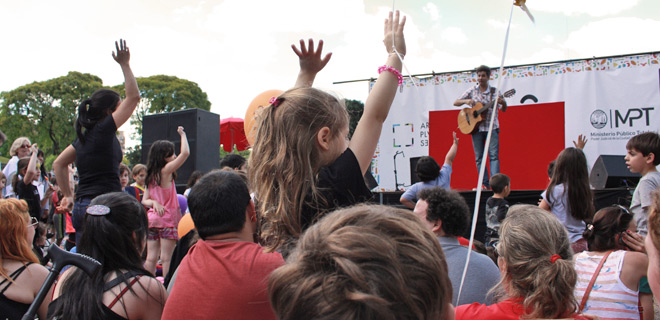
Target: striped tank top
<point>609,298</point>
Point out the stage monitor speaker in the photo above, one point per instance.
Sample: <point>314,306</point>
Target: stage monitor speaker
<point>203,132</point>
<point>610,171</point>
<point>413,176</point>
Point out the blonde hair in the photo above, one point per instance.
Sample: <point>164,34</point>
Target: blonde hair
<point>363,262</point>
<point>529,237</point>
<point>654,218</point>
<point>14,245</point>
<point>285,159</point>
<point>17,144</point>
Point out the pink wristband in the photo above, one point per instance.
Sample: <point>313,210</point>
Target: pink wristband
<point>392,70</point>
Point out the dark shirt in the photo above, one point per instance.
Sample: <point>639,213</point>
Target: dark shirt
<point>98,160</point>
<point>496,210</point>
<point>30,194</point>
<point>341,184</point>
<point>10,309</point>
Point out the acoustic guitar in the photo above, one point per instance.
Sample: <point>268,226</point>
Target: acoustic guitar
<point>469,118</point>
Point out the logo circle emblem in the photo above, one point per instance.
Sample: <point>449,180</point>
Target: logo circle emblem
<point>598,119</point>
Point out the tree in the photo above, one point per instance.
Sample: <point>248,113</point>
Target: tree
<point>355,109</point>
<point>163,93</point>
<point>46,111</point>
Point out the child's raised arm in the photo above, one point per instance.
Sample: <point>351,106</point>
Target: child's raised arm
<point>32,172</point>
<point>451,154</point>
<point>366,135</point>
<point>127,106</point>
<point>181,158</point>
<point>310,62</point>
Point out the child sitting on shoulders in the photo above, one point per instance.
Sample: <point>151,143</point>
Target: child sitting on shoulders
<point>496,207</point>
<point>302,163</point>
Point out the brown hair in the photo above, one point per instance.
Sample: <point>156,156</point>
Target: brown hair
<point>571,171</point>
<point>138,168</point>
<point>285,159</point>
<point>529,237</point>
<point>608,222</point>
<point>654,219</point>
<point>646,143</point>
<point>363,262</point>
<point>14,218</point>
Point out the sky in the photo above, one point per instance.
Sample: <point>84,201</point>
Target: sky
<point>236,49</point>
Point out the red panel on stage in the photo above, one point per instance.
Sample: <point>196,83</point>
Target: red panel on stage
<point>530,137</point>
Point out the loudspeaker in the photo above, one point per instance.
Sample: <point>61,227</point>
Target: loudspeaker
<point>413,176</point>
<point>610,171</point>
<point>203,131</point>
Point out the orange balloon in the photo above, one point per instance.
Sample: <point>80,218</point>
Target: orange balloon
<point>260,101</point>
<point>185,225</point>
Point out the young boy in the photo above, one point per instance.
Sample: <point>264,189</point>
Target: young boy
<point>496,207</point>
<point>642,157</point>
<point>136,189</point>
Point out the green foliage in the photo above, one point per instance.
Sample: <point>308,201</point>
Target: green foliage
<point>48,162</point>
<point>45,111</point>
<point>355,109</point>
<point>163,93</point>
<point>133,156</point>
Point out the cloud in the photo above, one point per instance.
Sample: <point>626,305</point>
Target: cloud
<point>453,35</point>
<point>500,24</point>
<point>594,8</point>
<point>614,36</point>
<point>432,10</point>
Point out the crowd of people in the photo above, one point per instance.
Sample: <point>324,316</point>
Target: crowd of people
<point>289,233</point>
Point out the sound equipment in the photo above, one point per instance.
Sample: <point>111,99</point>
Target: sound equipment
<point>203,131</point>
<point>610,171</point>
<point>469,118</point>
<point>413,165</point>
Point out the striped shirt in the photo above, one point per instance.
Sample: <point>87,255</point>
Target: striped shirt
<point>609,298</point>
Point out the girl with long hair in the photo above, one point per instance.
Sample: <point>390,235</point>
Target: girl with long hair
<point>21,275</point>
<point>535,261</point>
<point>303,164</point>
<point>162,200</point>
<point>569,195</point>
<point>115,234</point>
<point>96,151</point>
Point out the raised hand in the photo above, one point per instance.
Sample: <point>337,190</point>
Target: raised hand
<point>581,141</point>
<point>394,34</point>
<point>310,59</point>
<point>123,55</point>
<point>180,130</point>
<point>455,138</point>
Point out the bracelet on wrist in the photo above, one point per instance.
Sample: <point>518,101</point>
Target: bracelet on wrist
<point>392,70</point>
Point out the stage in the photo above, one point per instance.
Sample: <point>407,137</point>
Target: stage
<point>602,198</point>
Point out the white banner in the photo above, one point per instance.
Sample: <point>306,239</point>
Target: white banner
<point>608,100</point>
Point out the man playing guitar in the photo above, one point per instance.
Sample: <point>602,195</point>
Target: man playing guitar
<point>484,93</point>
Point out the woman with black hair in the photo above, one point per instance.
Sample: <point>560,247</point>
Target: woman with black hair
<point>96,151</point>
<point>116,231</point>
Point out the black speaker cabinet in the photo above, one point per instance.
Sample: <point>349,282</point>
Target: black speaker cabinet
<point>203,132</point>
<point>413,165</point>
<point>610,171</point>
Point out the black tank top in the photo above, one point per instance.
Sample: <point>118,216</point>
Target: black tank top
<point>108,314</point>
<point>10,309</point>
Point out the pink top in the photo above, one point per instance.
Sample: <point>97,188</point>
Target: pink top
<point>168,199</point>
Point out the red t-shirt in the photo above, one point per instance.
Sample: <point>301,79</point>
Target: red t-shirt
<point>223,280</point>
<point>505,310</point>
